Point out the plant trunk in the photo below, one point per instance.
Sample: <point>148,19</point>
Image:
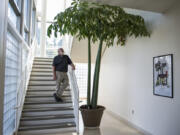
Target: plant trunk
<point>96,76</point>
<point>89,74</point>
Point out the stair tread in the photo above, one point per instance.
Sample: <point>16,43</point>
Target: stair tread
<point>41,87</point>
<point>25,107</point>
<point>42,74</point>
<point>42,63</point>
<point>52,81</point>
<point>41,96</point>
<point>47,126</point>
<point>40,90</point>
<point>47,105</point>
<point>44,84</point>
<point>38,57</point>
<point>42,71</point>
<point>41,79</point>
<point>47,109</point>
<point>50,102</point>
<point>41,66</point>
<point>36,65</point>
<point>44,67</point>
<point>31,89</point>
<point>47,117</point>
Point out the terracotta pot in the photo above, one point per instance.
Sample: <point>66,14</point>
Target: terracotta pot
<point>92,117</point>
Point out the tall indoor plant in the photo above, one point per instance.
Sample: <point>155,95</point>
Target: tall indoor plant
<point>106,24</point>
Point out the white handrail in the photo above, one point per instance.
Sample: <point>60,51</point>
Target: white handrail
<point>75,96</point>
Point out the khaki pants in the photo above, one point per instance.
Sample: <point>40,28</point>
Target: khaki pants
<point>62,82</point>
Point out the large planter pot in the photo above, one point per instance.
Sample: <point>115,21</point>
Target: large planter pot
<point>92,117</point>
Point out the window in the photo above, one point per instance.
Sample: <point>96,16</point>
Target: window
<point>38,32</point>
<point>26,19</point>
<point>33,22</point>
<point>26,13</point>
<point>18,4</point>
<point>53,43</point>
<point>26,35</point>
<point>14,13</point>
<point>51,53</point>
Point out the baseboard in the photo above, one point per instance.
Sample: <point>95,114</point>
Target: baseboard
<point>115,115</point>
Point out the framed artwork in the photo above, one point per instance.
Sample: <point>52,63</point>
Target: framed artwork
<point>163,75</point>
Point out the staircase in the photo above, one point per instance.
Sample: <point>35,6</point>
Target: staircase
<point>41,113</point>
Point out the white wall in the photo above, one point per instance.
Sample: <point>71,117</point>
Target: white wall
<point>126,81</point>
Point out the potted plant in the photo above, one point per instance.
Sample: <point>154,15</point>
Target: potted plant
<point>106,24</point>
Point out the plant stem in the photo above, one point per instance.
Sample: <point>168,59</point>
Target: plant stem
<point>89,73</point>
<point>96,76</point>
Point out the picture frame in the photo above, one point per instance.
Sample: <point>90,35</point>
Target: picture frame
<point>163,75</point>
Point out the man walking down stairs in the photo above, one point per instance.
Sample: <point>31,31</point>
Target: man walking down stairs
<point>60,68</point>
<point>41,113</point>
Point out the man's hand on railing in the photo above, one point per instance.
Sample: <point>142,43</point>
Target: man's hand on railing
<point>73,66</point>
<point>54,73</point>
<point>54,77</point>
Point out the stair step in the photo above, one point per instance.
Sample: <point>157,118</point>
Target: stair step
<point>41,73</point>
<point>38,89</point>
<point>42,63</point>
<point>43,120</point>
<point>42,112</point>
<point>38,57</point>
<point>55,131</point>
<point>46,92</point>
<point>36,78</point>
<point>41,70</point>
<point>44,96</point>
<point>42,83</point>
<point>45,99</point>
<point>41,88</point>
<point>50,99</point>
<point>41,58</point>
<point>50,102</point>
<point>34,89</point>
<point>67,105</point>
<point>29,105</point>
<point>46,117</point>
<point>46,127</point>
<point>47,109</point>
<point>45,84</point>
<point>43,66</point>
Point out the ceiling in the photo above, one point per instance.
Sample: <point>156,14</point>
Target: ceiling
<point>160,6</point>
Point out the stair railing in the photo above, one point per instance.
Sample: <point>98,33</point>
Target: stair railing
<point>26,65</point>
<point>75,96</point>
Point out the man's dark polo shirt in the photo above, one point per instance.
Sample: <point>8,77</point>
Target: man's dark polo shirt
<point>61,63</point>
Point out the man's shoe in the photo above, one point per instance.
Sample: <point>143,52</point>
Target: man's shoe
<point>57,98</point>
